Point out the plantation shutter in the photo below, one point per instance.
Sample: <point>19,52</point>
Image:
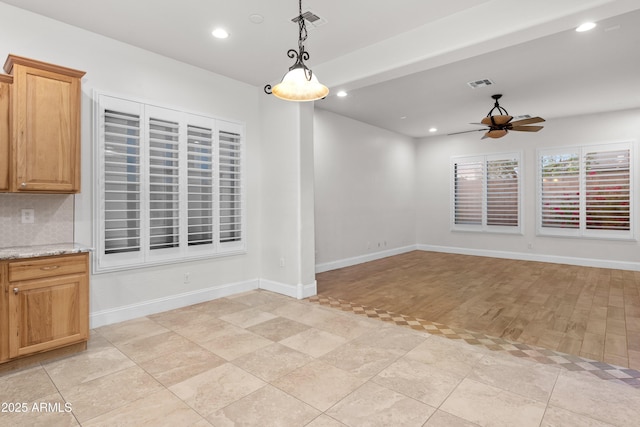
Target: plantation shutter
<point>486,193</point>
<point>164,190</point>
<point>121,182</point>
<point>169,185</point>
<point>587,191</point>
<point>200,185</point>
<point>502,192</point>
<point>468,192</point>
<point>560,191</point>
<point>230,186</point>
<point>607,190</point>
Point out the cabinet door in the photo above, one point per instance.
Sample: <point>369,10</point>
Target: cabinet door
<point>47,313</point>
<point>46,131</point>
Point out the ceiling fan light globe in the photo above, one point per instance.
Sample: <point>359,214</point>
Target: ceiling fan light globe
<point>295,87</point>
<point>498,120</point>
<point>496,133</point>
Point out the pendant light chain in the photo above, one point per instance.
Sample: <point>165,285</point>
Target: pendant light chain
<point>302,54</point>
<point>302,33</point>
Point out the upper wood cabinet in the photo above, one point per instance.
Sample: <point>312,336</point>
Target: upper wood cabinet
<point>44,124</point>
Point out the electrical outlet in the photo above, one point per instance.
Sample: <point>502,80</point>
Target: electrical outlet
<point>28,216</point>
<point>187,278</point>
<point>282,262</point>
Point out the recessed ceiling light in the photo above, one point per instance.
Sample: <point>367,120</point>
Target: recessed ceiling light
<point>403,117</point>
<point>433,130</point>
<point>220,33</point>
<point>256,18</point>
<point>341,94</point>
<point>586,27</point>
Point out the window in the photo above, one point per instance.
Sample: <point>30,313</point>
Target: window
<point>169,185</point>
<point>586,191</point>
<point>486,193</point>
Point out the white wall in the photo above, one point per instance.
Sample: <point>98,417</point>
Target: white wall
<point>122,69</point>
<point>365,191</point>
<point>374,186</point>
<point>287,198</point>
<point>433,196</point>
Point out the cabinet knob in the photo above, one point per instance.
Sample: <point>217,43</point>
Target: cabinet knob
<point>24,184</point>
<point>15,291</point>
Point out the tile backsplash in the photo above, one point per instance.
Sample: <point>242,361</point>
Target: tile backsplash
<point>53,219</point>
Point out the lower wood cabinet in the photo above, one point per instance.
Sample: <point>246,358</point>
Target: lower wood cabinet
<point>45,304</point>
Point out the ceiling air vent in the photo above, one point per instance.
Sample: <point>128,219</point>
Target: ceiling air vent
<point>522,117</point>
<point>311,18</point>
<point>480,83</point>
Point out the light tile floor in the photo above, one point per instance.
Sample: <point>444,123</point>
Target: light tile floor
<point>261,359</point>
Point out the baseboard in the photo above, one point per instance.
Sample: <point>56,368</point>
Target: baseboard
<point>583,262</point>
<point>347,262</point>
<point>299,291</point>
<point>132,311</point>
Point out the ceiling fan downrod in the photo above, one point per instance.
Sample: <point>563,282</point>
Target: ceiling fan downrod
<point>501,111</point>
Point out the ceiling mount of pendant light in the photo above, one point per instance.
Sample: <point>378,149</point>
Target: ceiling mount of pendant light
<point>299,83</point>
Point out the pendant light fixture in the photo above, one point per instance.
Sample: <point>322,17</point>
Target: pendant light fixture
<point>299,83</point>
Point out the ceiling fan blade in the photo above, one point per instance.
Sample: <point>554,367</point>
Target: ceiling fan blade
<point>527,121</point>
<point>466,131</point>
<point>526,128</point>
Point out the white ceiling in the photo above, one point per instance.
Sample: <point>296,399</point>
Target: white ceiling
<point>405,63</point>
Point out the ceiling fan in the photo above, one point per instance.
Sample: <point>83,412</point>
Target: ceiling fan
<point>500,124</point>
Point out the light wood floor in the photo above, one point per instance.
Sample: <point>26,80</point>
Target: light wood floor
<point>584,311</point>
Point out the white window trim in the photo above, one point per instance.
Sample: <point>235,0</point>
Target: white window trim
<point>582,231</point>
<point>146,258</point>
<point>484,228</point>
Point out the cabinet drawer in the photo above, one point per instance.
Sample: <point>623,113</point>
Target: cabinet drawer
<point>47,267</point>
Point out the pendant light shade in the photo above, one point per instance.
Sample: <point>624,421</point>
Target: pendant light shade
<point>299,83</point>
<point>296,87</point>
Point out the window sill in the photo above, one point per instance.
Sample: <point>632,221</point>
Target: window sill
<point>514,231</point>
<point>103,269</point>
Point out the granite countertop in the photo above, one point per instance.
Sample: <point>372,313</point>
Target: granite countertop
<point>16,252</point>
